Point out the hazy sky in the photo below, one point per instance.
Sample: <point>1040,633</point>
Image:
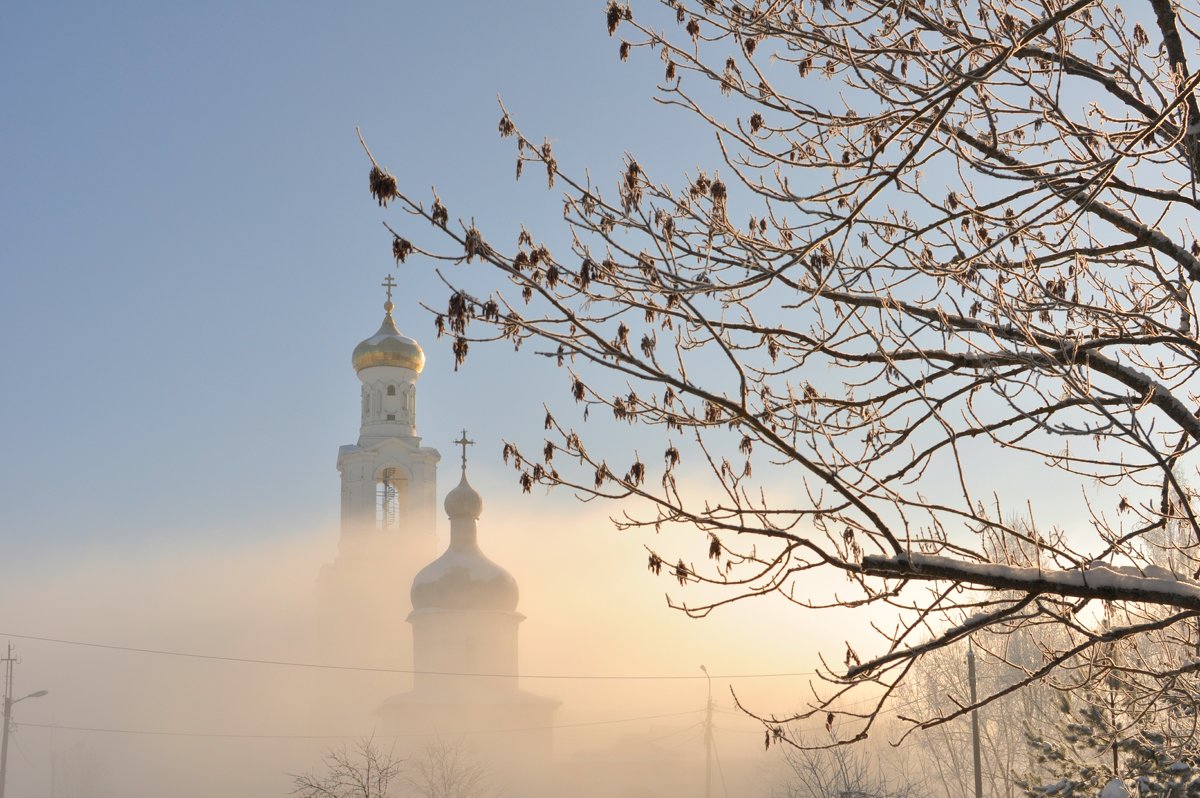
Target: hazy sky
<point>190,254</point>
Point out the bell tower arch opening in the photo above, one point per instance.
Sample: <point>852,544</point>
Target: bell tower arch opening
<point>391,499</point>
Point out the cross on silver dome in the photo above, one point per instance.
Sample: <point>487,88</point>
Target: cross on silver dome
<point>464,443</point>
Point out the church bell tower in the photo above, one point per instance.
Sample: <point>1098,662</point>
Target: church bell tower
<point>388,505</point>
<point>389,481</point>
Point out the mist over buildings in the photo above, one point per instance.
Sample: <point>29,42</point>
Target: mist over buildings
<point>520,630</point>
<point>135,723</point>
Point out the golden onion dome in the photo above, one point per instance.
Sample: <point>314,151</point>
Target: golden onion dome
<point>388,348</point>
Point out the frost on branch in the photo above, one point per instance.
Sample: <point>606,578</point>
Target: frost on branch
<point>915,336</point>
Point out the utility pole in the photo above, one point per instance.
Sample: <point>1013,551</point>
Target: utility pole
<point>974,721</point>
<point>708,739</point>
<point>9,660</point>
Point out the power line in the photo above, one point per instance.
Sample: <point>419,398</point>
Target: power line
<point>683,730</point>
<point>161,733</point>
<point>757,731</point>
<point>411,671</point>
<point>369,669</point>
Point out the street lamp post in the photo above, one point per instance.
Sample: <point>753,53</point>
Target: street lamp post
<point>8,705</point>
<point>9,701</point>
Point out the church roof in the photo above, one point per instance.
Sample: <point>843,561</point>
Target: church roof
<point>464,501</point>
<point>463,578</point>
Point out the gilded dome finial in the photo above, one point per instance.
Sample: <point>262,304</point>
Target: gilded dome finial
<point>389,283</point>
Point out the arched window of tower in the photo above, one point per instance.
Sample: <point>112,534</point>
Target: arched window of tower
<point>395,401</point>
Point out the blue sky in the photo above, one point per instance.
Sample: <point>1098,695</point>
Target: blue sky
<point>190,252</point>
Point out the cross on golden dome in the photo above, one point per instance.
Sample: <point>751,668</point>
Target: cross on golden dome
<point>389,283</point>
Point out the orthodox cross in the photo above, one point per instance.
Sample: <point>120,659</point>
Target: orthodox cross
<point>389,283</point>
<point>464,443</point>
